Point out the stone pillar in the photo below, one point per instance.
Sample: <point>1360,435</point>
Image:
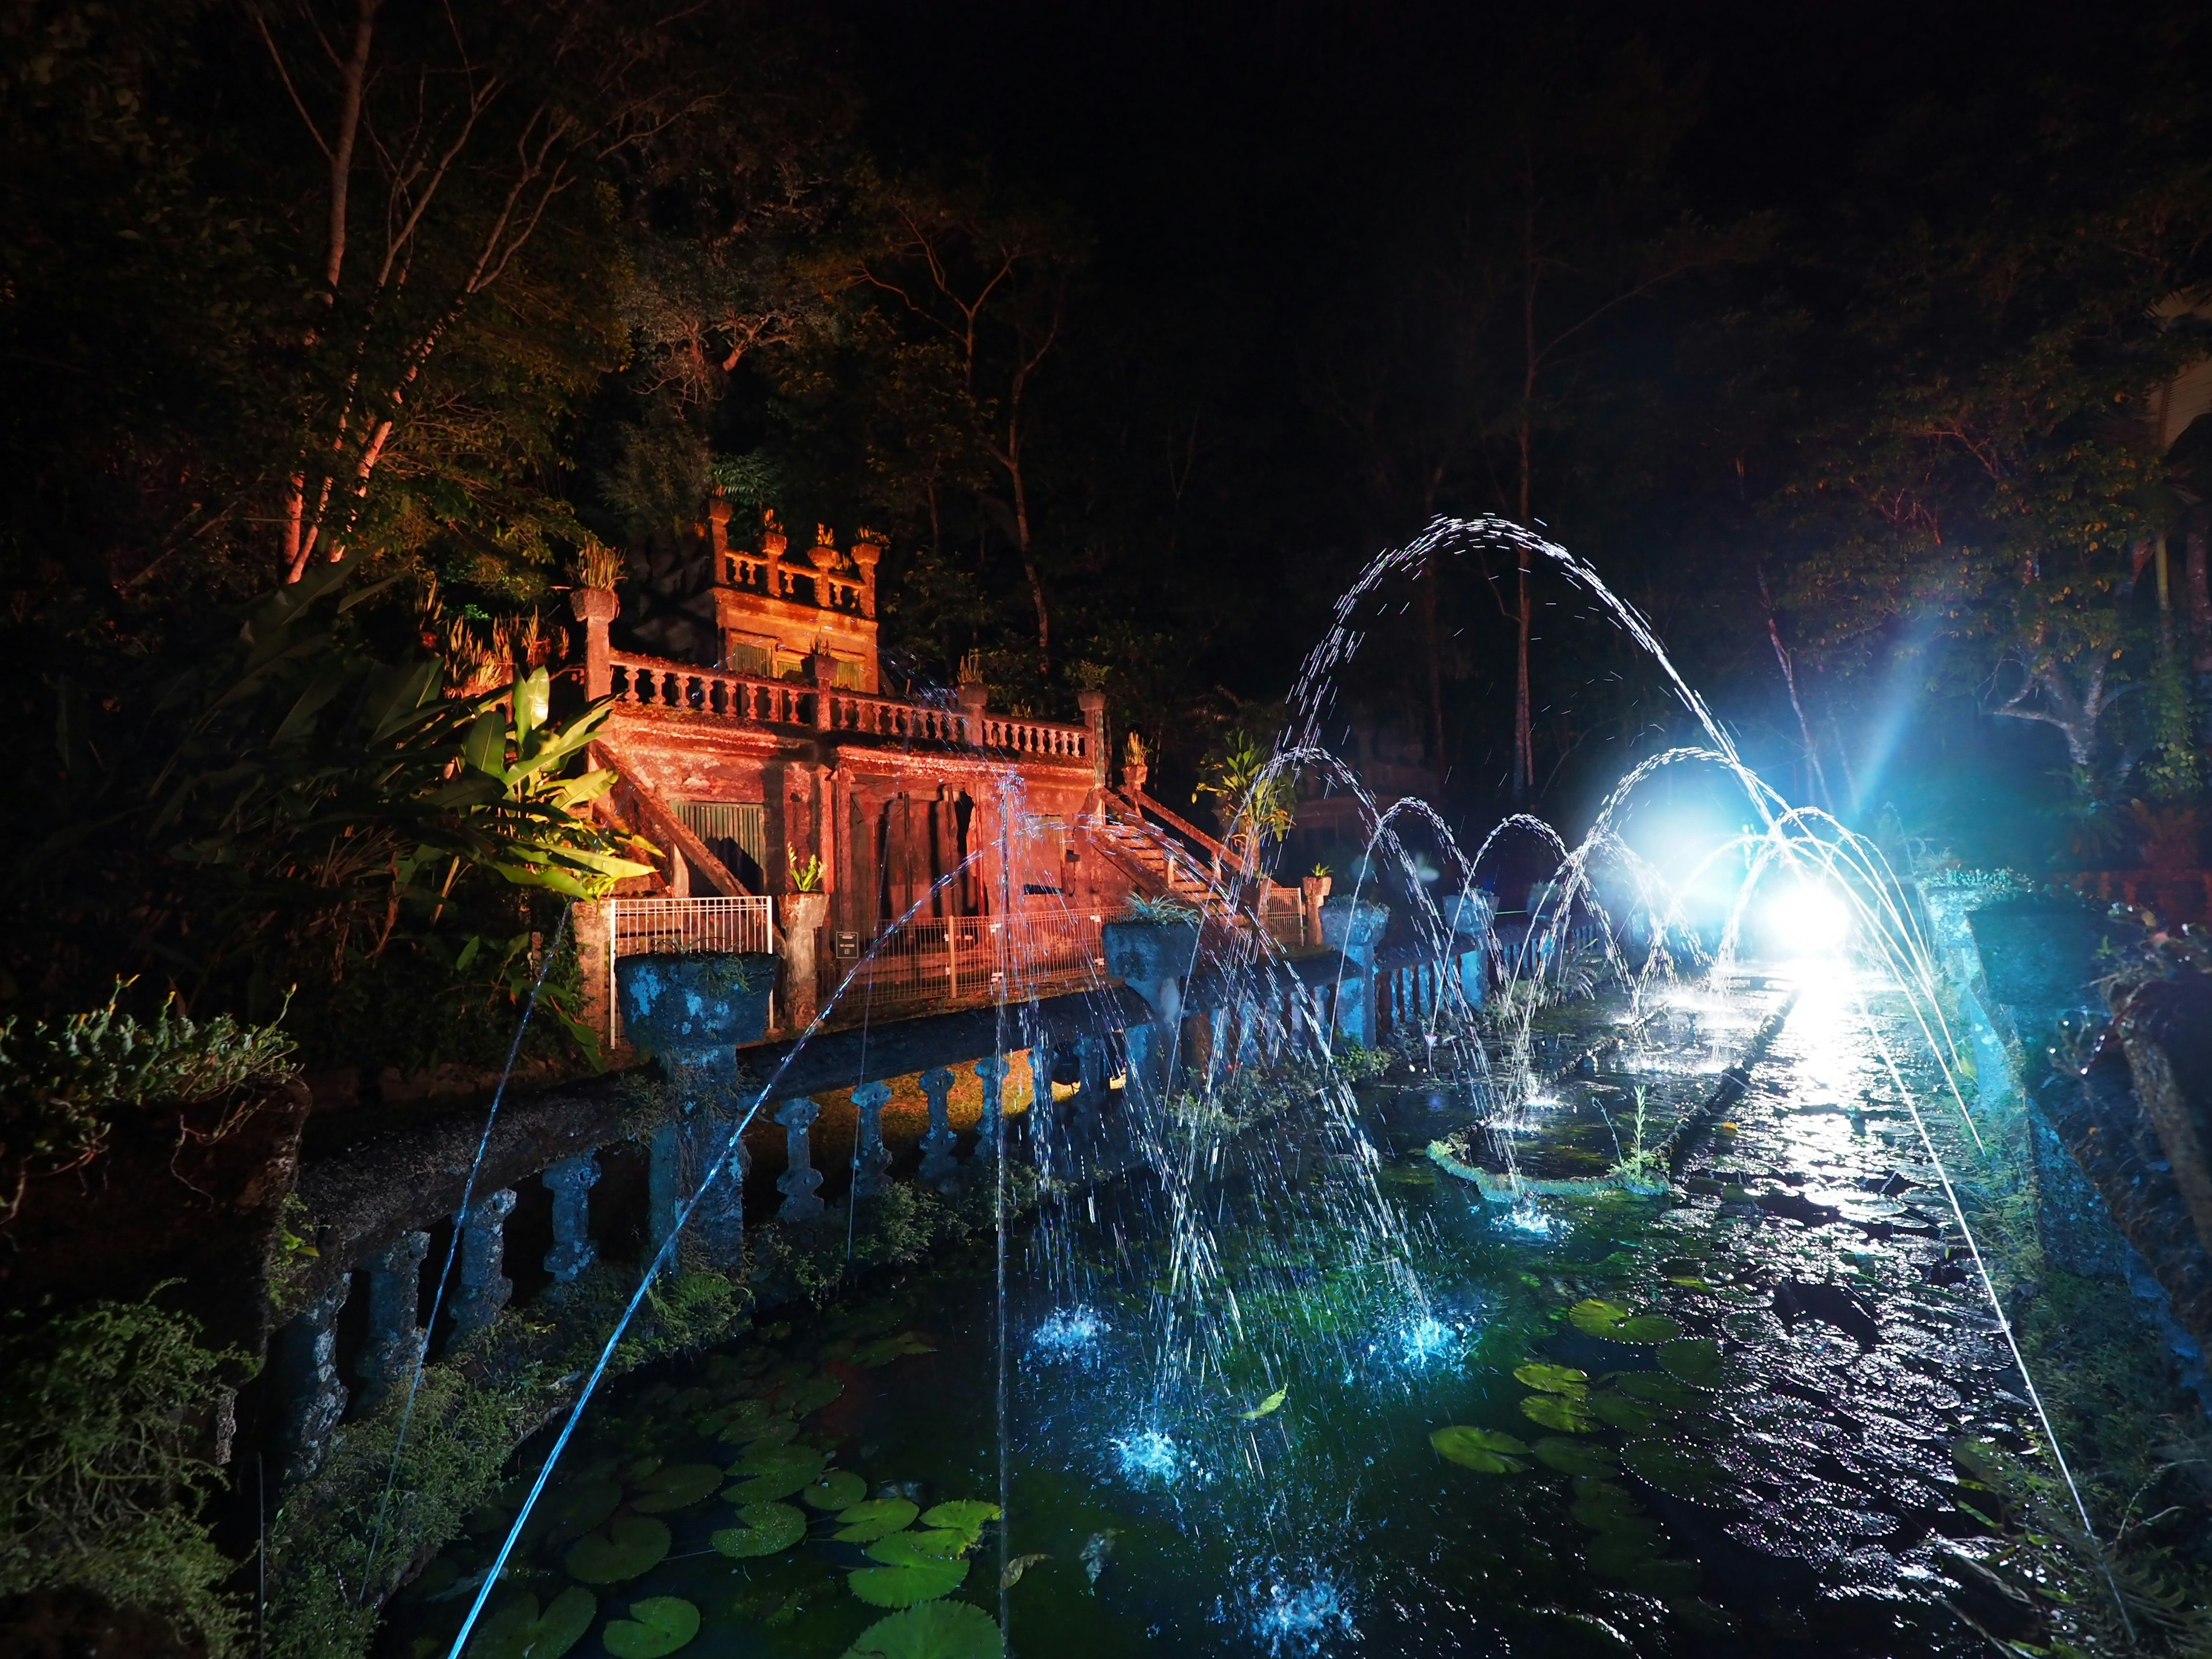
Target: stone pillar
<point>992,1071</point>
<point>484,1289</point>
<point>1152,959</point>
<point>938,1164</point>
<point>313,1397</point>
<point>799,1179</point>
<point>1312,889</point>
<point>975,700</point>
<point>681,1154</point>
<point>804,914</point>
<point>871,1158</point>
<point>1355,926</point>
<point>570,1181</point>
<point>396,1338</point>
<point>1470,917</point>
<point>595,607</point>
<point>1093,705</point>
<point>594,924</point>
<point>822,675</point>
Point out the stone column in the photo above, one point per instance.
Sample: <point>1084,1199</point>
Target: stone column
<point>484,1289</point>
<point>1355,928</point>
<point>800,1181</point>
<point>396,1338</point>
<point>992,1071</point>
<point>1093,705</point>
<point>804,914</point>
<point>594,923</point>
<point>596,608</point>
<point>1312,890</point>
<point>570,1181</point>
<point>938,1164</point>
<point>871,1158</point>
<point>313,1396</point>
<point>682,1152</point>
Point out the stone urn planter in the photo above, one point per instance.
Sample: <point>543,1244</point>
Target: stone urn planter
<point>1312,889</point>
<point>1153,958</point>
<point>1355,928</point>
<point>688,1011</point>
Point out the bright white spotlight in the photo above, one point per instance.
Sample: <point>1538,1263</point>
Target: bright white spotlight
<point>1809,920</point>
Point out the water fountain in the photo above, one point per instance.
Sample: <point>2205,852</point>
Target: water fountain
<point>1270,1355</point>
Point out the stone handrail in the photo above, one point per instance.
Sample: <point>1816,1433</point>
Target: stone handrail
<point>656,682</point>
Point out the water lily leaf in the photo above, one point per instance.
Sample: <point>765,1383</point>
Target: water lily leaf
<point>965,1515</point>
<point>1677,1470</point>
<point>676,1487</point>
<point>1616,1324</point>
<point>1662,1577</point>
<point>1020,1565</point>
<point>519,1631</point>
<point>740,1420</point>
<point>771,1472</point>
<point>812,1396</point>
<point>840,1489</point>
<point>916,1578</point>
<point>1558,1411</point>
<point>579,1508</point>
<point>1632,1415</point>
<point>878,1517</point>
<point>632,1545</point>
<point>1601,1505</point>
<point>768,1530</point>
<point>1695,1361</point>
<point>1574,1456</point>
<point>905,1549</point>
<point>659,1624</point>
<point>937,1630</point>
<point>883,1351</point>
<point>1625,1544</point>
<point>1657,1389</point>
<point>1552,1379</point>
<point>1484,1450</point>
<point>1272,1404</point>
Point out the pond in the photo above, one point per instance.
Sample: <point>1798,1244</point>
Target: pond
<point>1302,1390</point>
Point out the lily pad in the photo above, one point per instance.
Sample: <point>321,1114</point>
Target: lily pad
<point>740,1420</point>
<point>580,1509</point>
<point>677,1486</point>
<point>965,1515</point>
<point>1625,1544</point>
<point>1574,1456</point>
<point>1484,1450</point>
<point>1552,1379</point>
<point>1601,1505</point>
<point>632,1545</point>
<point>910,1575</point>
<point>1664,1578</point>
<point>658,1625</point>
<point>879,1517</point>
<point>519,1631</point>
<point>1558,1411</point>
<point>937,1630</point>
<point>840,1489</point>
<point>1677,1470</point>
<point>1695,1361</point>
<point>1632,1416</point>
<point>812,1396</point>
<point>902,1546</point>
<point>1616,1324</point>
<point>768,1530</point>
<point>767,1472</point>
<point>1657,1389</point>
<point>883,1351</point>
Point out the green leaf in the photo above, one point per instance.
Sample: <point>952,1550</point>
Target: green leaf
<point>1600,1505</point>
<point>917,1577</point>
<point>676,1487</point>
<point>775,1472</point>
<point>1663,1578</point>
<point>1616,1324</point>
<point>879,1517</point>
<point>519,1631</point>
<point>1594,1318</point>
<point>1266,1407</point>
<point>840,1489</point>
<point>659,1624</point>
<point>740,1421</point>
<point>1622,1546</point>
<point>533,701</point>
<point>1552,1379</point>
<point>1558,1411</point>
<point>1695,1361</point>
<point>633,1545</point>
<point>1484,1450</point>
<point>812,1396</point>
<point>965,1515</point>
<point>1575,1456</point>
<point>485,748</point>
<point>768,1529</point>
<point>579,1508</point>
<point>1677,1470</point>
<point>1646,1328</point>
<point>1618,1409</point>
<point>937,1630</point>
<point>1656,1388</point>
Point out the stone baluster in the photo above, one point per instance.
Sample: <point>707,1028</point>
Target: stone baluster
<point>681,1154</point>
<point>484,1288</point>
<point>664,1182</point>
<point>938,1164</point>
<point>570,1181</point>
<point>396,1337</point>
<point>871,1158</point>
<point>314,1397</point>
<point>992,1071</point>
<point>800,1180</point>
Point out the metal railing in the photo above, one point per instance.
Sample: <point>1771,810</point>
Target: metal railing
<point>952,961</point>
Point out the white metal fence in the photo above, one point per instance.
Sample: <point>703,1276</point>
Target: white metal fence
<point>682,926</point>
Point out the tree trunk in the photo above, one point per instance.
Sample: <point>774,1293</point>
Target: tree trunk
<point>2194,579</point>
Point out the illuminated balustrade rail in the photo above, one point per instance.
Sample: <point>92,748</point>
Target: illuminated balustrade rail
<point>951,961</point>
<point>751,700</point>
